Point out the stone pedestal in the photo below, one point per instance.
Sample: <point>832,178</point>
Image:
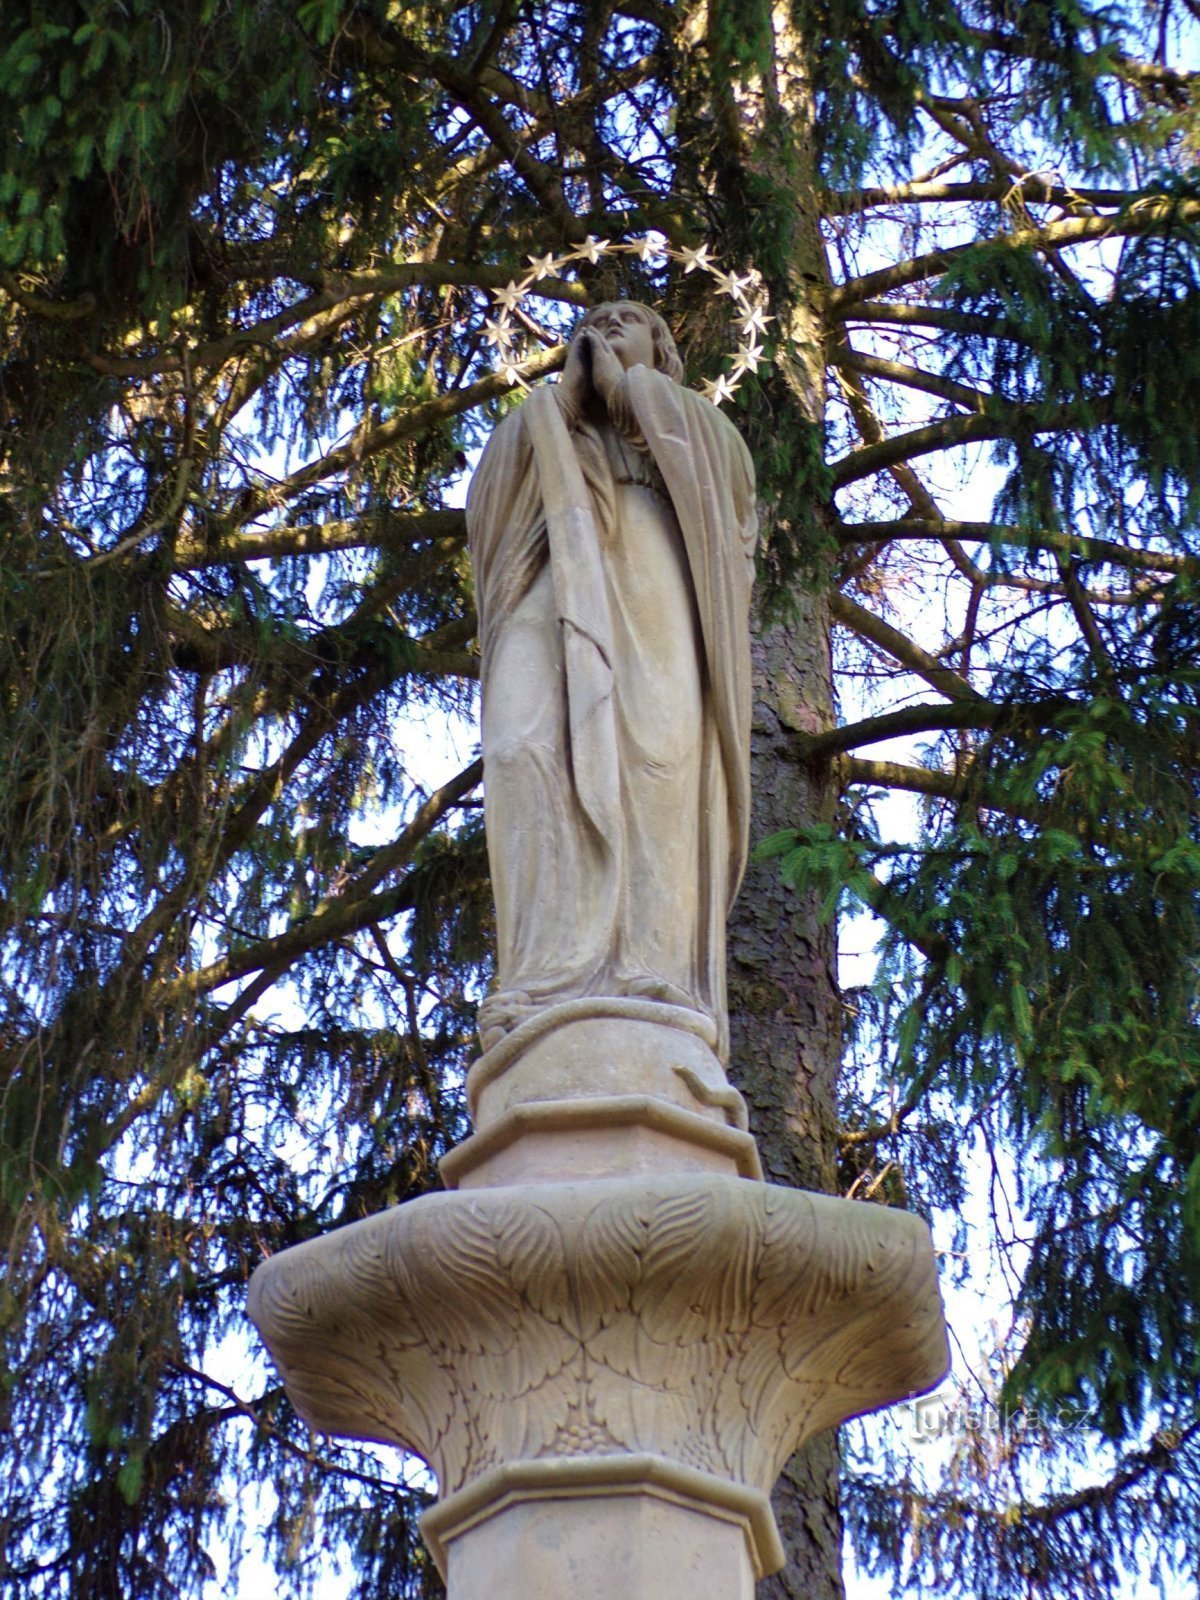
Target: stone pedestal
<point>594,1087</point>
<point>639,1526</point>
<point>609,1339</point>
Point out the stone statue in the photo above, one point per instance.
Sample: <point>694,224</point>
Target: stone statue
<point>608,1333</point>
<point>612,528</point>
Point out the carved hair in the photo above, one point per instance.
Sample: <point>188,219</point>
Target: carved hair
<point>666,356</point>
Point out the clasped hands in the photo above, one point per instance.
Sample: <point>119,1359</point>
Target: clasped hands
<point>592,369</point>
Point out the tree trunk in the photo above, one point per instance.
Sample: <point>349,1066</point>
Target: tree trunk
<point>785,1010</point>
<point>786,1029</point>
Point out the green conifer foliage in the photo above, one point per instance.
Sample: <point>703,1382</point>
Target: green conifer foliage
<point>248,252</point>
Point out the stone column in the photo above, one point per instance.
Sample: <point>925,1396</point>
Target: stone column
<point>609,1334</point>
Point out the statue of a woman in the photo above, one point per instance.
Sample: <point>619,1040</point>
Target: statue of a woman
<point>612,528</point>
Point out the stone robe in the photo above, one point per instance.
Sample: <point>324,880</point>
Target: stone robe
<point>613,567</point>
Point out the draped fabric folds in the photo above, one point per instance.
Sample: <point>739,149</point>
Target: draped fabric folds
<point>613,580</point>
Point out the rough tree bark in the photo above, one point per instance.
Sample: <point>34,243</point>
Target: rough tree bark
<point>785,1009</point>
<point>786,1030</point>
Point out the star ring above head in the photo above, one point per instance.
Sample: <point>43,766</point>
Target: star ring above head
<point>627,335</point>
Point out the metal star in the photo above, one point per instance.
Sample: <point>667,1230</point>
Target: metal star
<point>753,322</point>
<point>510,296</point>
<point>731,284</point>
<point>544,266</point>
<point>650,245</point>
<point>695,258</point>
<point>718,390</point>
<point>724,389</point>
<point>591,249</point>
<point>748,359</point>
<point>498,332</point>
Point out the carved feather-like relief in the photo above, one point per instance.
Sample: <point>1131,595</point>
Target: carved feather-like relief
<point>710,1320</point>
<point>480,1278</point>
<point>608,1251</point>
<point>304,1309</point>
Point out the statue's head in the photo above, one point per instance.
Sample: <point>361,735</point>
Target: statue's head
<point>613,312</point>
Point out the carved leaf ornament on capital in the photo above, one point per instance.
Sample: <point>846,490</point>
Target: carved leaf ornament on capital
<point>489,1327</point>
<point>503,333</point>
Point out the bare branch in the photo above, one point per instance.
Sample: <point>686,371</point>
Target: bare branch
<point>1145,216</point>
<point>959,394</point>
<point>385,530</point>
<point>353,908</point>
<point>1033,187</point>
<point>1099,550</point>
<point>901,648</point>
<point>915,719</point>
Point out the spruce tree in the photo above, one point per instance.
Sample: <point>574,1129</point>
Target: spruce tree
<point>250,262</point>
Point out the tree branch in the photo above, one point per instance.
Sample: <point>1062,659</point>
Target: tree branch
<point>919,498</point>
<point>1033,187</point>
<point>343,292</point>
<point>923,316</point>
<point>902,649</point>
<point>956,430</point>
<point>1149,75</point>
<point>406,424</point>
<point>385,529</point>
<point>1144,216</point>
<point>899,775</point>
<point>1099,550</point>
<point>922,718</point>
<point>960,785</point>
<point>937,1508</point>
<point>850,1138</point>
<point>344,913</point>
<point>42,306</point>
<point>385,46</point>
<point>911,377</point>
<point>1084,616</point>
<point>201,647</point>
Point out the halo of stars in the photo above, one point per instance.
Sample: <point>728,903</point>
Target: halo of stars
<point>744,290</point>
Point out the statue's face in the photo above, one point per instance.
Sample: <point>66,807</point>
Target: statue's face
<point>627,331</point>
